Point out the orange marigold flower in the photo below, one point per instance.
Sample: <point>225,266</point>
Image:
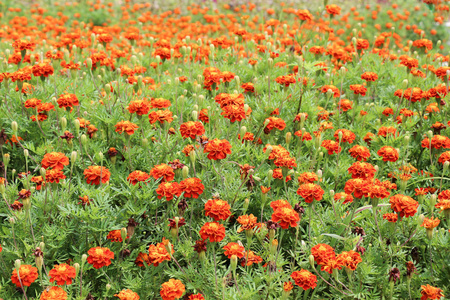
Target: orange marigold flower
<point>350,259</point>
<point>62,274</point>
<point>385,131</point>
<point>286,217</point>
<point>358,89</point>
<point>250,259</point>
<point>347,136</point>
<point>361,153</point>
<point>93,174</point>
<point>335,90</point>
<point>192,129</point>
<point>331,264</point>
<point>158,253</point>
<point>213,231</point>
<point>137,176</point>
<point>369,76</point>
<point>430,223</point>
<point>160,116</point>
<point>347,198</point>
<point>437,142</point>
<point>431,292</point>
<point>355,186</point>
<point>322,253</point>
<point>53,175</point>
<point>345,104</point>
<point>172,289</point>
<point>126,126</point>
<point>162,171</point>
<point>127,294</point>
<point>362,170</point>
<point>217,209</point>
<point>388,153</point>
<point>404,205</point>
<point>168,190</point>
<point>55,160</point>
<point>32,103</point>
<point>53,293</point>
<point>288,286</point>
<point>192,187</point>
<point>28,274</point>
<point>307,177</point>
<point>390,217</point>
<point>333,9</point>
<point>277,204</point>
<point>67,100</point>
<point>100,257</point>
<point>141,259</point>
<point>248,222</point>
<point>42,69</point>
<point>160,103</point>
<point>217,149</point>
<point>331,146</point>
<point>310,192</point>
<point>274,122</point>
<point>115,236</point>
<point>234,249</point>
<point>140,107</point>
<point>196,297</point>
<point>304,279</point>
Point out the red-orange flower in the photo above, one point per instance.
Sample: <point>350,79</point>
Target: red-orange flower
<point>431,292</point>
<point>362,170</point>
<point>322,253</point>
<point>158,253</point>
<point>213,231</point>
<point>168,190</point>
<point>162,171</point>
<point>62,274</point>
<point>160,116</point>
<point>53,293</point>
<point>310,192</point>
<point>140,107</point>
<point>217,149</point>
<point>137,176</point>
<point>217,209</point>
<point>28,274</point>
<point>248,222</point>
<point>361,153</point>
<point>55,160</point>
<point>286,217</point>
<point>234,249</point>
<point>93,174</point>
<point>304,279</point>
<point>404,205</point>
<point>67,100</point>
<point>388,153</point>
<point>192,129</point>
<point>126,126</point>
<point>127,294</point>
<point>350,259</point>
<point>100,257</point>
<point>192,187</point>
<point>115,236</point>
<point>172,289</point>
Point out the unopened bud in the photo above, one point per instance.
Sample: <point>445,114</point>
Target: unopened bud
<point>185,172</point>
<point>288,138</point>
<point>14,127</point>
<point>233,262</point>
<point>84,139</point>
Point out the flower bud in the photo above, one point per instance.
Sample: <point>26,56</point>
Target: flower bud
<point>430,134</point>
<point>14,127</point>
<point>192,156</point>
<point>194,115</point>
<point>17,264</point>
<point>242,131</point>
<point>185,172</point>
<point>269,175</point>
<point>123,233</point>
<point>270,62</point>
<point>83,259</point>
<point>288,138</point>
<point>73,157</point>
<point>319,174</point>
<point>89,63</point>
<point>77,268</point>
<point>405,83</point>
<point>433,200</point>
<point>311,261</point>
<point>108,287</point>
<point>273,246</point>
<point>446,164</point>
<point>84,139</point>
<point>12,221</point>
<point>238,80</point>
<point>6,159</point>
<point>233,262</point>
